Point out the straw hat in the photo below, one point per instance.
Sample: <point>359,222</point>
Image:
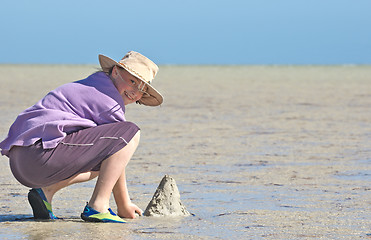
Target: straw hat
<point>140,67</point>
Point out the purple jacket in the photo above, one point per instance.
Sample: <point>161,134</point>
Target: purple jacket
<point>71,107</point>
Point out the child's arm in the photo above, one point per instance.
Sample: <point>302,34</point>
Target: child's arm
<point>125,208</point>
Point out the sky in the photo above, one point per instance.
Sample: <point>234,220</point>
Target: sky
<point>281,32</point>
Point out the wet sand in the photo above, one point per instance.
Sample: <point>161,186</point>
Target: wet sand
<point>258,152</point>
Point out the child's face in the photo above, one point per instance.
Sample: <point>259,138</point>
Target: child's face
<point>131,88</point>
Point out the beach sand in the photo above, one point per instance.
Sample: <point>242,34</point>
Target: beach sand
<point>258,152</point>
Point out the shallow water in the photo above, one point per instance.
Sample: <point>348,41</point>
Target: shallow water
<point>272,152</point>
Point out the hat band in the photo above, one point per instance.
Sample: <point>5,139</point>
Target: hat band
<point>132,70</point>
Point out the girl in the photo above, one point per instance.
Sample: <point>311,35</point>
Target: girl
<point>77,132</point>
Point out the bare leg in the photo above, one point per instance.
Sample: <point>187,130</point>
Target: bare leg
<point>111,171</point>
<point>49,191</point>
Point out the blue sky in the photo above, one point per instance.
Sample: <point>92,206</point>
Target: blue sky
<point>187,32</point>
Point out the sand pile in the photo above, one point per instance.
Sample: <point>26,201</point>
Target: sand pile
<point>166,200</point>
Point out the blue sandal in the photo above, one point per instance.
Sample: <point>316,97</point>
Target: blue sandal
<point>41,208</point>
<point>91,215</point>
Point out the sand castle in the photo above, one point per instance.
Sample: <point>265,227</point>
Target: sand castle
<point>166,200</point>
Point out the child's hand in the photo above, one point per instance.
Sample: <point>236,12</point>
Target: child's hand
<point>129,210</point>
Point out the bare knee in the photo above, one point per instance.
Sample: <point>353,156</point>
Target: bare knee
<point>135,140</point>
<point>131,145</point>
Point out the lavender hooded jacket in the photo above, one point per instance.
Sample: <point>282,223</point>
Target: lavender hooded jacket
<point>71,107</point>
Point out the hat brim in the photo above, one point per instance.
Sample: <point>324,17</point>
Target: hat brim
<point>154,99</point>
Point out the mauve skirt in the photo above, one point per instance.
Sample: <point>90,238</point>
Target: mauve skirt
<point>78,152</point>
